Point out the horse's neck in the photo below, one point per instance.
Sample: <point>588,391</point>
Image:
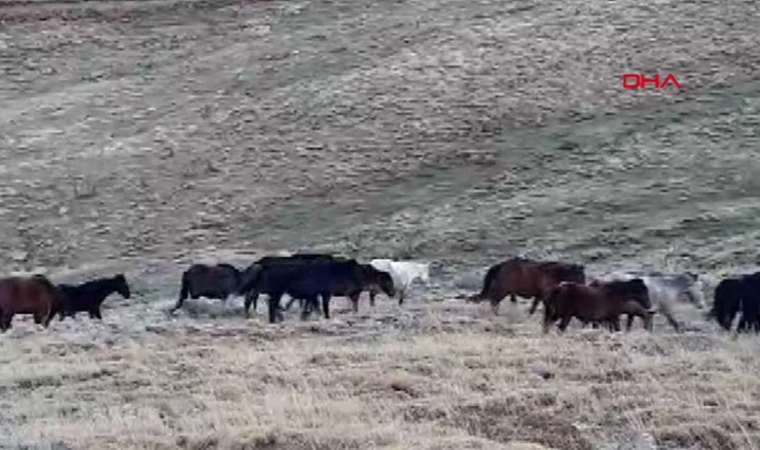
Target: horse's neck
<point>102,289</point>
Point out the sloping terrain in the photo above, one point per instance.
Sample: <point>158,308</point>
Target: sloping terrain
<point>139,136</point>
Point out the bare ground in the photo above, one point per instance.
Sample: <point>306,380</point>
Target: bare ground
<point>138,136</point>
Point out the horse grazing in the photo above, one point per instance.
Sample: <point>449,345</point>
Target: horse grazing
<point>665,290</point>
<point>35,295</point>
<point>600,303</point>
<point>201,280</point>
<point>403,273</point>
<point>526,278</point>
<point>87,297</point>
<point>736,294</point>
<point>377,281</point>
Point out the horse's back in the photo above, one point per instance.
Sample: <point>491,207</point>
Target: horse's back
<point>28,295</point>
<point>211,281</point>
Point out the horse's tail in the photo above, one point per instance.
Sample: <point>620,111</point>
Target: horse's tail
<point>185,290</point>
<point>487,282</point>
<point>550,302</point>
<point>56,297</point>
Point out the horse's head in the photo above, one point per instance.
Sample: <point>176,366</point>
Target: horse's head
<point>385,282</point>
<point>637,290</point>
<point>695,296</point>
<point>634,289</point>
<point>121,286</point>
<point>566,272</point>
<point>424,272</point>
<point>247,279</point>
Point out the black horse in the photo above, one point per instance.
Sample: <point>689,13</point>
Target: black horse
<point>308,282</point>
<point>201,280</point>
<point>87,297</point>
<point>250,276</point>
<point>734,295</point>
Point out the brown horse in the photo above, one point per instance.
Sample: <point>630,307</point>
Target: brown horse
<point>598,303</point>
<point>34,295</point>
<point>526,278</point>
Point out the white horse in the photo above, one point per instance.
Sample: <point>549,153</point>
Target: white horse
<point>403,274</point>
<point>665,290</point>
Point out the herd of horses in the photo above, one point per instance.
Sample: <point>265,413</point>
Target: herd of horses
<point>562,288</point>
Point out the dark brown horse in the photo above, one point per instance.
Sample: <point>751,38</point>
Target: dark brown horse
<point>526,278</point>
<point>34,295</point>
<point>598,303</point>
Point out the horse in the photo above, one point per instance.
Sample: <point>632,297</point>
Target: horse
<point>526,278</point>
<point>734,295</point>
<point>665,290</point>
<point>308,282</point>
<point>87,297</point>
<point>601,302</point>
<point>35,295</point>
<point>250,275</point>
<point>201,280</point>
<point>403,274</point>
<point>377,281</point>
<point>373,280</point>
<point>726,302</point>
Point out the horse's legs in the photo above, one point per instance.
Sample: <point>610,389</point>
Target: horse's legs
<point>50,315</point>
<point>401,296</point>
<point>250,297</point>
<point>326,305</point>
<point>648,319</point>
<point>355,301</point>
<point>290,302</point>
<point>665,309</point>
<point>534,305</point>
<point>564,323</point>
<point>372,294</point>
<point>274,307</point>
<point>7,321</point>
<point>672,321</point>
<point>306,306</point>
<point>549,319</point>
<point>742,324</point>
<point>495,306</point>
<point>96,311</point>
<point>629,322</point>
<point>513,299</point>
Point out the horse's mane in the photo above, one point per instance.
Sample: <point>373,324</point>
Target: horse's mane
<point>97,283</point>
<point>44,280</point>
<point>625,286</point>
<point>228,266</point>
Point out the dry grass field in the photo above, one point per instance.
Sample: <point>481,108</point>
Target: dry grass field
<point>138,136</point>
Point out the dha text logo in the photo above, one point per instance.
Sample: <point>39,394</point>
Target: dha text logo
<point>641,81</point>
